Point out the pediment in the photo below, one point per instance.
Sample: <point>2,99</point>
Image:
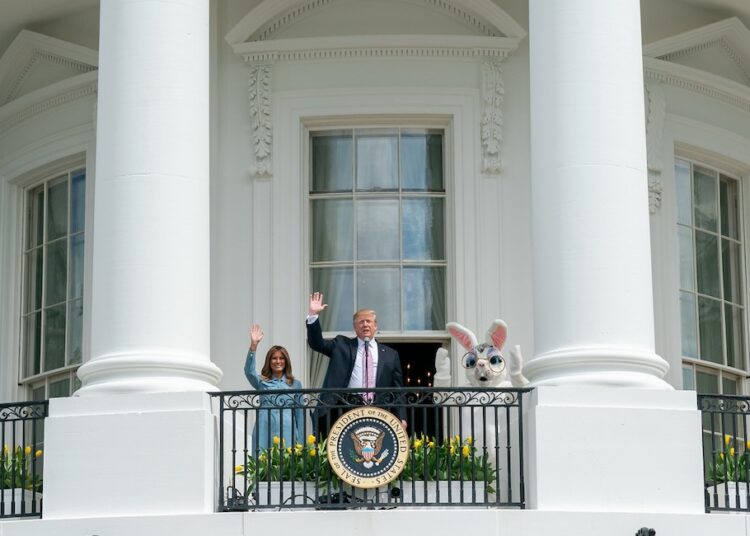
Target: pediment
<point>300,29</point>
<point>34,61</point>
<point>721,49</point>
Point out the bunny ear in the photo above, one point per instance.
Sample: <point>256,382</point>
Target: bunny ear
<point>497,333</point>
<point>464,336</point>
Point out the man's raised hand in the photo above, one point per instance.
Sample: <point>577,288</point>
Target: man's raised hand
<point>316,304</point>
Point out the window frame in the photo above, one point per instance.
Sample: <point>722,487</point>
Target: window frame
<point>722,371</point>
<point>386,121</point>
<point>33,179</point>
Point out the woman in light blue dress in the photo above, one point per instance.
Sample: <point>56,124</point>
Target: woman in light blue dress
<point>280,416</point>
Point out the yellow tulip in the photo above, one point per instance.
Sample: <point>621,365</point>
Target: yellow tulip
<point>469,440</point>
<point>453,449</point>
<point>276,440</point>
<point>289,450</point>
<point>417,443</point>
<point>27,450</point>
<point>466,451</point>
<point>431,444</point>
<point>38,453</point>
<point>312,452</point>
<point>727,439</point>
<point>298,448</point>
<point>721,455</point>
<point>731,451</point>
<point>262,458</point>
<point>311,439</point>
<point>239,468</point>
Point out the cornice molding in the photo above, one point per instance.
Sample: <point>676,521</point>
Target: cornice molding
<point>262,22</point>
<point>29,49</point>
<point>731,35</point>
<point>710,85</point>
<point>376,46</point>
<point>46,98</point>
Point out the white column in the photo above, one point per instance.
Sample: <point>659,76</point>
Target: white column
<point>150,311</point>
<point>593,305</point>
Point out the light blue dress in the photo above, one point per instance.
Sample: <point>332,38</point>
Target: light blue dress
<point>272,419</point>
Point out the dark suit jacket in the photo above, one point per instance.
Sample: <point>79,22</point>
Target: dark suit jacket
<point>343,353</point>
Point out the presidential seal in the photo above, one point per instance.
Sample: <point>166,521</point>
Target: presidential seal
<point>368,447</point>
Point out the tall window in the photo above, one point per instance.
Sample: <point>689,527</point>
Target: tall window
<point>377,205</point>
<point>711,278</point>
<point>52,317</point>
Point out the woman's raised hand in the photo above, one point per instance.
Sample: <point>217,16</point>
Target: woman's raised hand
<point>256,335</point>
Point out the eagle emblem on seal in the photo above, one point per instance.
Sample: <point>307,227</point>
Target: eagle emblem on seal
<point>367,443</point>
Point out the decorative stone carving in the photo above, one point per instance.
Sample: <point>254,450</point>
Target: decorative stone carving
<point>259,92</point>
<point>493,92</point>
<point>655,114</point>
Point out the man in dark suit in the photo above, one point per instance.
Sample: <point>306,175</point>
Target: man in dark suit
<point>357,362</point>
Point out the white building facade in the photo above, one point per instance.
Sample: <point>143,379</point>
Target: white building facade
<point>172,172</point>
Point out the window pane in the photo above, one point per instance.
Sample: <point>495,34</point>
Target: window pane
<point>688,324</point>
<point>421,161</point>
<point>684,192</point>
<point>709,319</point>
<point>729,387</point>
<point>54,337</point>
<point>687,274</point>
<point>707,261</point>
<point>333,230</point>
<point>76,266</point>
<point>75,331</point>
<point>730,252</point>
<point>33,344</point>
<point>332,166</point>
<point>423,229</point>
<point>377,229</point>
<point>38,393</point>
<point>687,378</point>
<point>56,273</point>
<point>733,325</point>
<point>377,160</point>
<point>59,388</point>
<point>337,286</point>
<point>57,209</point>
<point>34,280</point>
<point>78,201</point>
<point>704,184</point>
<point>707,383</point>
<point>379,289</point>
<point>424,298</point>
<point>35,217</point>
<point>729,206</point>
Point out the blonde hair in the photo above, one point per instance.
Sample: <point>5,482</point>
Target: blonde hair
<point>365,312</point>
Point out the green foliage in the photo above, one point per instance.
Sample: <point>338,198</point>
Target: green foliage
<point>15,468</point>
<point>285,464</point>
<point>730,465</point>
<point>455,459</point>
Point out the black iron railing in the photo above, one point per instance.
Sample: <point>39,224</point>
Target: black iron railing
<point>463,447</point>
<point>726,451</point>
<point>21,433</point>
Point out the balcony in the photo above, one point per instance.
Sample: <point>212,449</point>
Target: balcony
<point>463,448</point>
<point>21,433</point>
<point>726,452</point>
